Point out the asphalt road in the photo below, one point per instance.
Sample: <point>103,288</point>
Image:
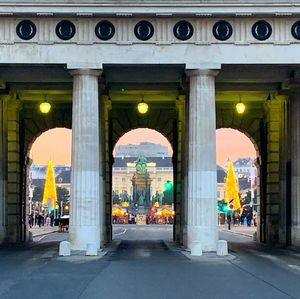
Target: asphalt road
<point>142,265</point>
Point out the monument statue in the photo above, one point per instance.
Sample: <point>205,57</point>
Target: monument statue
<point>141,165</point>
<point>141,185</point>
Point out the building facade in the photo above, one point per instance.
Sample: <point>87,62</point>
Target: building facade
<point>159,168</point>
<point>191,61</point>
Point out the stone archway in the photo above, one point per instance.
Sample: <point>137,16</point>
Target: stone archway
<point>33,124</point>
<point>167,119</point>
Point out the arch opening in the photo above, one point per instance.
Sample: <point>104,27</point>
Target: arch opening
<point>48,181</point>
<point>142,198</point>
<point>241,212</point>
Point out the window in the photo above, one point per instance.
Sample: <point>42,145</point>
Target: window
<point>159,179</point>
<point>123,180</point>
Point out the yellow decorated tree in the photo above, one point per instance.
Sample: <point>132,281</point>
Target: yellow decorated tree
<point>50,197</point>
<point>231,189</point>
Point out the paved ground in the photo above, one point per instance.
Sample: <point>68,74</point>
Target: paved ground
<point>39,231</point>
<point>142,267</point>
<point>243,230</point>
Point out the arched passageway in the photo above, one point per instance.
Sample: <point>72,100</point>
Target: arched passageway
<point>143,184</point>
<point>243,213</point>
<point>48,179</point>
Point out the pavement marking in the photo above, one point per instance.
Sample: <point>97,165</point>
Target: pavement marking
<point>121,233</point>
<point>42,237</point>
<point>294,267</point>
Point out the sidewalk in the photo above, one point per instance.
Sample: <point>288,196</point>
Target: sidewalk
<point>43,230</point>
<point>239,230</point>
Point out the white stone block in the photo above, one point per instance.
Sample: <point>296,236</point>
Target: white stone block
<point>64,248</point>
<point>196,248</point>
<point>91,249</point>
<point>222,248</point>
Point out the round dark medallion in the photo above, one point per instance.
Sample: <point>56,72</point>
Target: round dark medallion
<point>26,30</point>
<point>183,30</point>
<point>65,30</point>
<point>143,30</point>
<point>296,30</point>
<point>222,30</point>
<point>261,30</point>
<point>105,30</point>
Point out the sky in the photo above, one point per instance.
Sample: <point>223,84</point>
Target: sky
<point>55,145</point>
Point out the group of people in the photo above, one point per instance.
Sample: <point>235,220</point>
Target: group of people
<point>241,219</point>
<point>40,219</point>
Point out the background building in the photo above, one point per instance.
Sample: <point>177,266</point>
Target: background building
<point>147,149</point>
<point>159,168</point>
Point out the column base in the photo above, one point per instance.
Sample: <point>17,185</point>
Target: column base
<point>296,236</point>
<point>81,235</point>
<point>208,236</point>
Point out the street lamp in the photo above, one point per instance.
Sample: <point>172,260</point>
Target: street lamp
<point>45,107</point>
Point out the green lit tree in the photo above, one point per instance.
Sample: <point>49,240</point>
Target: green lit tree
<point>167,197</point>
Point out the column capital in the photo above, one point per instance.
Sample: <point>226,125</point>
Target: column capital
<point>86,72</point>
<point>202,72</point>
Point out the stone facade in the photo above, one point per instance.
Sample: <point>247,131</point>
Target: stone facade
<point>171,69</point>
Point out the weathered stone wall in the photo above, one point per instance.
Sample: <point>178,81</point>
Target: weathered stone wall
<point>13,170</point>
<point>272,200</point>
<point>3,169</point>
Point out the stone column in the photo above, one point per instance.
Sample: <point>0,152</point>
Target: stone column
<point>85,196</point>
<point>202,175</point>
<point>103,234</point>
<point>295,165</point>
<point>3,170</point>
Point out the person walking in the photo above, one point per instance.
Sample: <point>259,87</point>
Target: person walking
<point>40,220</point>
<point>52,219</point>
<point>249,218</point>
<point>30,220</point>
<point>47,220</point>
<point>228,220</point>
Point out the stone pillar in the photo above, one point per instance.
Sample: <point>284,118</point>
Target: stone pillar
<point>3,170</point>
<point>272,200</point>
<point>179,174</point>
<point>202,176</point>
<point>107,168</point>
<point>85,195</point>
<point>15,224</point>
<point>295,165</point>
<point>103,234</point>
